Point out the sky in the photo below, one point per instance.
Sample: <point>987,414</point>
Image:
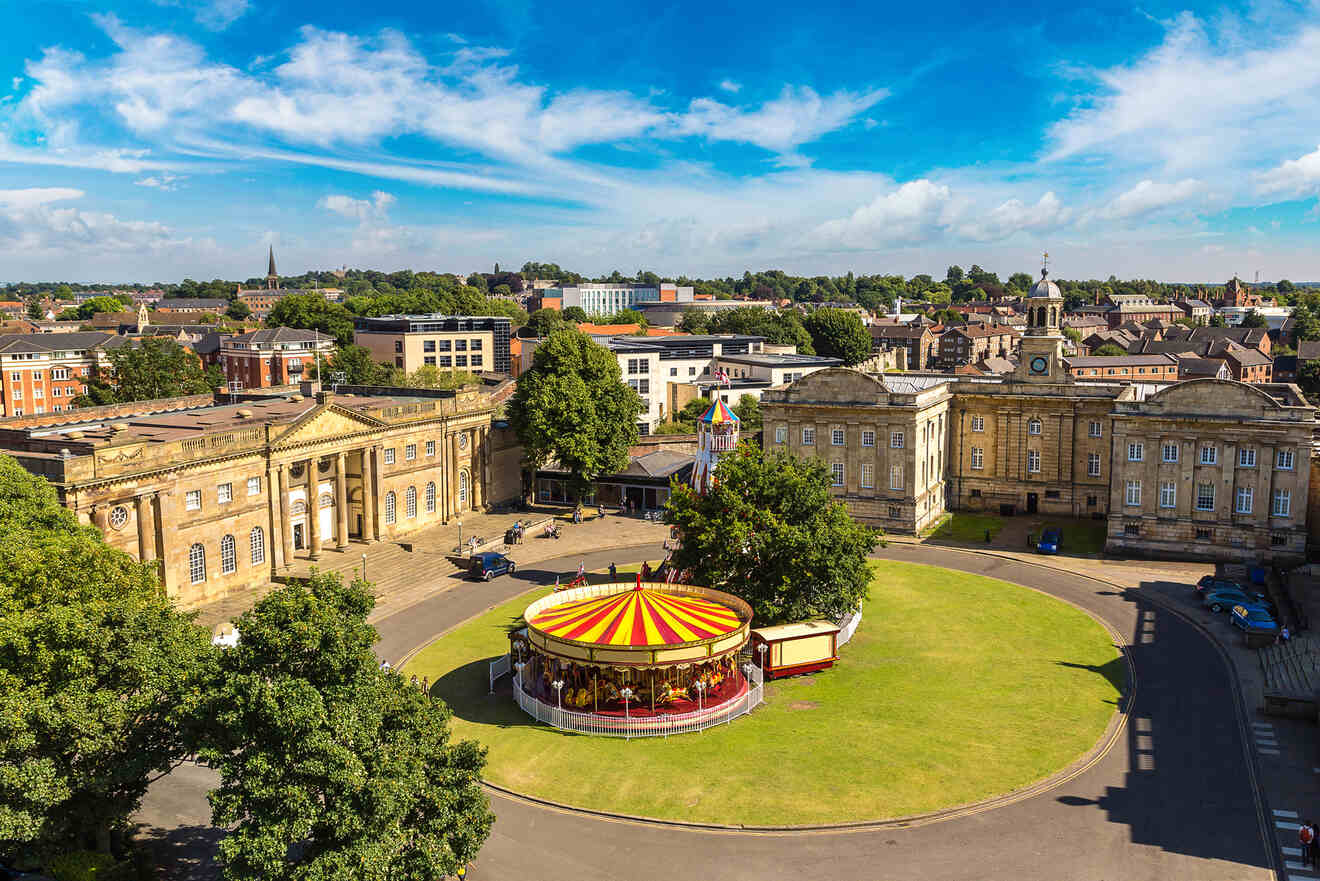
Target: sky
<point>162,139</point>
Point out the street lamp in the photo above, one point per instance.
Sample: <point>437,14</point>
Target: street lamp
<point>558,686</point>
<point>459,521</point>
<point>364,567</point>
<point>519,667</point>
<point>761,648</point>
<point>626,694</point>
<point>701,687</point>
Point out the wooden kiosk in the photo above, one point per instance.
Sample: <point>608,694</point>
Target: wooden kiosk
<point>795,648</point>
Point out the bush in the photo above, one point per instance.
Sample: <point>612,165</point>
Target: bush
<point>82,865</point>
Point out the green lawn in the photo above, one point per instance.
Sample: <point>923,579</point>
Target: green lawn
<point>956,688</point>
<point>1084,536</point>
<point>962,526</point>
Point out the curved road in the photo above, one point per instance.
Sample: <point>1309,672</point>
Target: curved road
<point>1173,799</point>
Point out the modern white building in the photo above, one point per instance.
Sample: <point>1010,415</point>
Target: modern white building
<point>1274,316</point>
<point>606,298</point>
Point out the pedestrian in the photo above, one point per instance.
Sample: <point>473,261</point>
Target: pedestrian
<point>613,572</point>
<point>987,536</point>
<point>582,569</point>
<point>384,666</point>
<point>646,572</point>
<point>1029,539</point>
<point>1306,837</point>
<point>1284,634</point>
<point>1313,850</point>
<point>413,682</point>
<point>426,686</point>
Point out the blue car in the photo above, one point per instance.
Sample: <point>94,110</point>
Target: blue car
<point>486,566</point>
<point>1223,600</point>
<point>1050,542</point>
<point>1254,619</point>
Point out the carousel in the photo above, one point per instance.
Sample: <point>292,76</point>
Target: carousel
<point>640,658</point>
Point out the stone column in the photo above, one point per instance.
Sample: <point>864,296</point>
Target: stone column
<point>146,521</point>
<point>276,524</point>
<point>442,482</point>
<point>378,490</point>
<point>453,475</point>
<point>368,496</point>
<point>314,508</point>
<point>341,501</point>
<point>286,531</point>
<point>164,548</point>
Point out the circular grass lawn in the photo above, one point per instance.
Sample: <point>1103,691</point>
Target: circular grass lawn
<point>956,688</point>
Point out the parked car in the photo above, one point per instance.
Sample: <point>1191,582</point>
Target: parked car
<point>487,565</point>
<point>1223,600</point>
<point>1050,541</point>
<point>1211,583</point>
<point>1253,619</point>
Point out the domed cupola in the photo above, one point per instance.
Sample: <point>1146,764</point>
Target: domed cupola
<point>1044,304</point>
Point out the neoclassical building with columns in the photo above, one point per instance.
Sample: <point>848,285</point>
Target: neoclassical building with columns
<point>227,496</point>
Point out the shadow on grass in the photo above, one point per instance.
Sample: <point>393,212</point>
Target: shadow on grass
<point>1115,672</point>
<point>466,691</point>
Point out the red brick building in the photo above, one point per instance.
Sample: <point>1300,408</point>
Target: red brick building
<point>265,358</point>
<point>43,373</point>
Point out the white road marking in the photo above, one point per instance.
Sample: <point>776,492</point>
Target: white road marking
<point>1266,741</point>
<point>1291,851</point>
<point>1291,814</point>
<point>1295,868</point>
<point>1287,827</point>
<point>1262,725</point>
<point>1267,752</point>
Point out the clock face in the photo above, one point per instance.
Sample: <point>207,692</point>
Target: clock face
<point>1038,364</point>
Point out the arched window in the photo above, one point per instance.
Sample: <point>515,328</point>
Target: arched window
<point>197,563</point>
<point>257,544</point>
<point>430,498</point>
<point>228,556</point>
<point>1033,426</point>
<point>299,507</point>
<point>462,489</point>
<point>410,501</point>
<point>389,507</point>
<point>327,500</point>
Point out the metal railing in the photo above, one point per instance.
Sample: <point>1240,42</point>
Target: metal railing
<point>645,726</point>
<point>498,668</point>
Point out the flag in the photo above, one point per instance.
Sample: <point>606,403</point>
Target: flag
<point>722,377</point>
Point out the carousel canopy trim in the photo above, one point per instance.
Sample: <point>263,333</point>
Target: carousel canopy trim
<point>719,414</point>
<point>638,618</point>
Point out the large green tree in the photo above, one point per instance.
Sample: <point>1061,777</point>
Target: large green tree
<point>99,677</point>
<point>1253,319</point>
<point>771,533</point>
<point>329,767</point>
<point>313,312</point>
<point>542,323</point>
<point>154,367</point>
<point>358,367</point>
<point>1308,379</point>
<point>573,407</point>
<point>838,333</point>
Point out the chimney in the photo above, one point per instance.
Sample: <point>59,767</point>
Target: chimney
<point>309,387</point>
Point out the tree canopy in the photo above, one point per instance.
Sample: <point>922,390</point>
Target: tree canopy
<point>313,312</point>
<point>542,323</point>
<point>1254,319</point>
<point>155,367</point>
<point>838,333</point>
<point>572,406</point>
<point>771,533</point>
<point>1110,350</point>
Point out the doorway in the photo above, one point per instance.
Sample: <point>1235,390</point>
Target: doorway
<point>1031,503</point>
<point>299,542</point>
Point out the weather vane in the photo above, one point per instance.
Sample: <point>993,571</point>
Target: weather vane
<point>1045,263</point>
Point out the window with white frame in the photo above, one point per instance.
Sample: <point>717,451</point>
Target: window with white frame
<point>1136,451</point>
<point>389,455</point>
<point>1132,493</point>
<point>1092,464</point>
<point>1168,494</point>
<point>1243,502</point>
<point>1170,452</point>
<point>391,511</point>
<point>1283,460</point>
<point>254,486</point>
<point>1209,455</point>
<point>430,498</point>
<point>868,476</point>
<point>228,556</point>
<point>1033,461</point>
<point>409,452</point>
<point>781,434</point>
<point>978,423</point>
<point>896,440</point>
<point>1033,426</point>
<point>1205,497</point>
<point>836,437</point>
<point>192,500</point>
<point>1094,429</point>
<point>430,448</point>
<point>410,502</point>
<point>1246,457</point>
<point>808,437</point>
<point>197,563</point>
<point>978,458</point>
<point>836,473</point>
<point>224,493</point>
<point>868,438</point>
<point>1282,503</point>
<point>257,545</point>
<point>895,476</point>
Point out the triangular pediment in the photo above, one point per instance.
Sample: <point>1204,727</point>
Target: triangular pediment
<point>325,422</point>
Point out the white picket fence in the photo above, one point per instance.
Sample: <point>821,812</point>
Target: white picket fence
<point>646,726</point>
<point>847,627</point>
<point>498,667</point>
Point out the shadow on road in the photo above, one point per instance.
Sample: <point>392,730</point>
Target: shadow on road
<point>183,853</point>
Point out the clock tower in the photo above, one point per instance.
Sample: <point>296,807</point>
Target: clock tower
<point>1041,350</point>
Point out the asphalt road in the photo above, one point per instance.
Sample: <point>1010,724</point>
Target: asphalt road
<point>1173,798</point>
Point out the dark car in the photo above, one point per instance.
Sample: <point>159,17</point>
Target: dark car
<point>1254,619</point>
<point>1050,541</point>
<point>486,566</point>
<point>1223,600</point>
<point>1212,583</point>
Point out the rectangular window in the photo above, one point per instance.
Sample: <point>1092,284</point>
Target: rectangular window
<point>1246,457</point>
<point>978,458</point>
<point>896,440</point>
<point>445,345</point>
<point>1094,430</point>
<point>254,486</point>
<point>781,434</point>
<point>836,437</point>
<point>868,438</point>
<point>895,512</point>
<point>460,360</point>
<point>978,423</point>
<point>192,500</point>
<point>460,345</point>
<point>1282,503</point>
<point>409,452</point>
<point>428,345</point>
<point>38,393</point>
<point>475,361</point>
<point>18,394</point>
<point>1209,455</point>
<point>868,476</point>
<point>389,455</point>
<point>1136,451</point>
<point>429,360</point>
<point>446,361</point>
<point>474,345</point>
<point>1283,460</point>
<point>1245,497</point>
<point>1168,494</point>
<point>1278,541</point>
<point>1132,494</point>
<point>1132,529</point>
<point>224,493</point>
<point>1091,501</point>
<point>1170,452</point>
<point>1205,534</point>
<point>836,472</point>
<point>430,448</point>
<point>16,376</point>
<point>1205,497</point>
<point>895,476</point>
<point>808,437</point>
<point>398,345</point>
<point>1033,461</point>
<point>1093,465</point>
<point>59,373</point>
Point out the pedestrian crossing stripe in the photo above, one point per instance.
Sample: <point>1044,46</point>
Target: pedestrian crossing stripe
<point>1279,813</point>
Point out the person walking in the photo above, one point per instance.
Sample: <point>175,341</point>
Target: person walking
<point>646,572</point>
<point>413,681</point>
<point>426,686</point>
<point>1313,850</point>
<point>1306,838</point>
<point>613,572</point>
<point>582,569</point>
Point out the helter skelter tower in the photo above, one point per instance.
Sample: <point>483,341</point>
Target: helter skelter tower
<point>717,434</point>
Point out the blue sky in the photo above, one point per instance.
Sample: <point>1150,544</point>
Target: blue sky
<point>158,139</point>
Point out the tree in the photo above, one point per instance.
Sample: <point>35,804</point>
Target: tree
<point>1217,320</point>
<point>576,313</point>
<point>1308,378</point>
<point>954,274</point>
<point>1284,286</point>
<point>502,290</point>
<point>356,364</point>
<point>1020,281</point>
<point>313,312</point>
<point>694,321</point>
<point>99,676</point>
<point>1110,350</point>
<point>949,316</point>
<point>630,316</point>
<point>838,333</point>
<point>34,308</point>
<point>748,411</point>
<point>1073,334</point>
<point>542,323</point>
<point>96,305</point>
<point>1306,321</point>
<point>572,406</point>
<point>329,767</point>
<point>430,376</point>
<point>1253,319</point>
<point>154,367</point>
<point>770,533</point>
<point>238,310</point>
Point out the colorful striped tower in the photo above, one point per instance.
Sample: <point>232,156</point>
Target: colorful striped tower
<point>717,434</point>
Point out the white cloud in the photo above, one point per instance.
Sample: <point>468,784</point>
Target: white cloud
<point>34,196</point>
<point>31,226</point>
<point>733,87</point>
<point>166,182</point>
<point>798,116</point>
<point>1148,196</point>
<point>214,14</point>
<point>1013,216</point>
<point>914,212</point>
<point>362,210</point>
<point>1293,178</point>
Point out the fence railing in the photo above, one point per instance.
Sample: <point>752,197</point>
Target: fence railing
<point>645,726</point>
<point>847,627</point>
<point>498,668</point>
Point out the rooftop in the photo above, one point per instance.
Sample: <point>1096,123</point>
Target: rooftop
<point>771,359</point>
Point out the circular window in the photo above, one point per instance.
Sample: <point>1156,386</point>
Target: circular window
<point>325,465</point>
<point>118,517</point>
<point>296,470</point>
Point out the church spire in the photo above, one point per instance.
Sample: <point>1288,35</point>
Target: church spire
<point>272,279</point>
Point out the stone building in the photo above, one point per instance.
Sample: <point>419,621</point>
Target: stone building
<point>271,357</point>
<point>227,496</point>
<point>975,342</point>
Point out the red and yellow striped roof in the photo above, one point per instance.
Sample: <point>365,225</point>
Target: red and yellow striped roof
<point>719,413</point>
<point>636,618</point>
